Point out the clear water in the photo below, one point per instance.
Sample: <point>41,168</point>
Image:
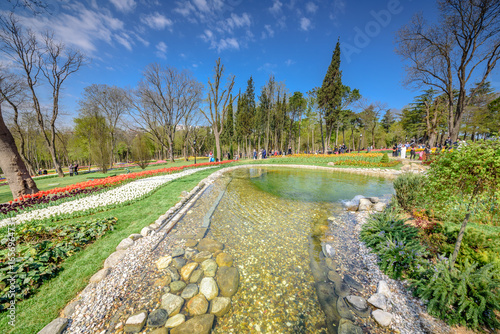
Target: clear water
<point>271,220</point>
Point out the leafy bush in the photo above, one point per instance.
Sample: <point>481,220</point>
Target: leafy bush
<point>41,250</point>
<point>385,158</point>
<point>408,187</point>
<point>468,297</point>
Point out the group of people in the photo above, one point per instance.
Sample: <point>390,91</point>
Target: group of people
<point>73,169</point>
<point>400,150</point>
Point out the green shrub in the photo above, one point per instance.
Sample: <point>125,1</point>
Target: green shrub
<point>468,297</point>
<point>385,158</point>
<point>407,187</point>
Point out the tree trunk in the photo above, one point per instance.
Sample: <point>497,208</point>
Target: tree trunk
<point>321,129</point>
<point>459,239</point>
<point>217,144</point>
<point>18,178</point>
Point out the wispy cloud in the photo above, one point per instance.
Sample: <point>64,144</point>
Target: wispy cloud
<point>156,21</point>
<point>311,7</point>
<point>124,5</point>
<point>275,9</point>
<point>236,21</point>
<point>161,50</point>
<point>338,8</point>
<point>289,62</point>
<point>268,31</point>
<point>267,67</point>
<point>305,24</point>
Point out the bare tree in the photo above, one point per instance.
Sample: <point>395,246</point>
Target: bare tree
<point>164,97</point>
<point>40,57</point>
<point>18,177</point>
<point>219,98</point>
<point>370,115</point>
<point>465,44</point>
<point>113,104</point>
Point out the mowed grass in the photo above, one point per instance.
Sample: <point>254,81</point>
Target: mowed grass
<point>34,313</point>
<point>56,182</point>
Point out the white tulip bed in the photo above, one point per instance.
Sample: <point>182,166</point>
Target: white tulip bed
<point>127,193</point>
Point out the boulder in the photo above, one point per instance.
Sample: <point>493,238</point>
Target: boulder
<point>201,324</point>
<point>114,258</point>
<point>197,305</point>
<point>189,291</point>
<point>379,300</point>
<point>357,302</point>
<point>187,270</point>
<point>209,267</point>
<point>383,318</point>
<point>353,204</point>
<point>171,303</point>
<point>100,275</point>
<point>157,318</point>
<point>220,306</point>
<point>224,260</point>
<point>209,245</point>
<point>56,326</point>
<point>379,207</point>
<point>208,287</point>
<point>228,280</point>
<point>124,244</point>
<point>135,322</point>
<point>175,321</point>
<point>364,204</point>
<point>163,262</point>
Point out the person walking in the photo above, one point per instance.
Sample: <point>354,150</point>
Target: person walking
<point>70,167</point>
<point>76,168</point>
<point>254,154</point>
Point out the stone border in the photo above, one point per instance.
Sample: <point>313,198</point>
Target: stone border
<point>58,325</point>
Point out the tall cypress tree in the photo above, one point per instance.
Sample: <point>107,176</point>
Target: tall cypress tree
<point>330,93</point>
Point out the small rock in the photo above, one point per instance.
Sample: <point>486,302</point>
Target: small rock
<point>177,286</point>
<point>224,260</point>
<point>220,306</point>
<point>178,252</point>
<point>100,275</point>
<point>175,321</point>
<point>379,207</point>
<point>196,276</point>
<point>383,288</point>
<point>191,243</point>
<point>178,262</point>
<point>189,253</point>
<point>209,245</point>
<point>171,303</point>
<point>200,325</point>
<point>161,330</point>
<point>114,258</point>
<point>124,244</point>
<point>352,282</point>
<point>187,270</point>
<point>197,305</point>
<point>208,287</point>
<point>189,291</point>
<point>157,318</point>
<point>163,281</point>
<point>56,326</point>
<point>343,310</point>
<point>383,318</point>
<point>135,236</point>
<point>209,267</point>
<point>174,274</point>
<point>357,302</point>
<point>328,250</point>
<point>146,231</point>
<point>163,262</point>
<point>378,300</point>
<point>202,256</point>
<point>228,280</point>
<point>135,322</point>
<point>70,308</point>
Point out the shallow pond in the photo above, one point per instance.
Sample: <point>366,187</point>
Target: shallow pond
<point>270,220</point>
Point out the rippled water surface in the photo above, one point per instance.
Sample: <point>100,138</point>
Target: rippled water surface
<point>271,221</point>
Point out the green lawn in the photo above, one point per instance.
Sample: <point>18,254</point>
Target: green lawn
<point>34,313</point>
<point>56,182</point>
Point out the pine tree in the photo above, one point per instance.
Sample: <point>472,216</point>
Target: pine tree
<point>330,93</point>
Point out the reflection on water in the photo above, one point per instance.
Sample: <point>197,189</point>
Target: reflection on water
<point>267,220</point>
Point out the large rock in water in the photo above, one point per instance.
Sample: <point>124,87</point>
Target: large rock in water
<point>209,267</point>
<point>364,204</point>
<point>197,305</point>
<point>135,323</point>
<point>224,260</point>
<point>187,270</point>
<point>220,306</point>
<point>228,280</point>
<point>201,324</point>
<point>171,303</point>
<point>175,321</point>
<point>210,245</point>
<point>208,287</point>
<point>157,318</point>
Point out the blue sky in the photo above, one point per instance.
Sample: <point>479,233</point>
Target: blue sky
<point>294,40</point>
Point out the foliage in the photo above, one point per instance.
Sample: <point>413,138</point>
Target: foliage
<point>467,296</point>
<point>142,150</point>
<point>408,187</point>
<point>41,250</point>
<point>385,158</point>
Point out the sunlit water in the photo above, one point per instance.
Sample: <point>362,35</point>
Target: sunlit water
<point>268,219</point>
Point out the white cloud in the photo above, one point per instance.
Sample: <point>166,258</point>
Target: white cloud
<point>124,5</point>
<point>236,21</point>
<point>156,21</point>
<point>184,8</point>
<point>338,8</point>
<point>125,40</point>
<point>228,43</point>
<point>311,7</point>
<point>276,7</point>
<point>161,50</point>
<point>305,23</point>
<point>202,5</point>
<point>269,32</point>
<point>289,62</point>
